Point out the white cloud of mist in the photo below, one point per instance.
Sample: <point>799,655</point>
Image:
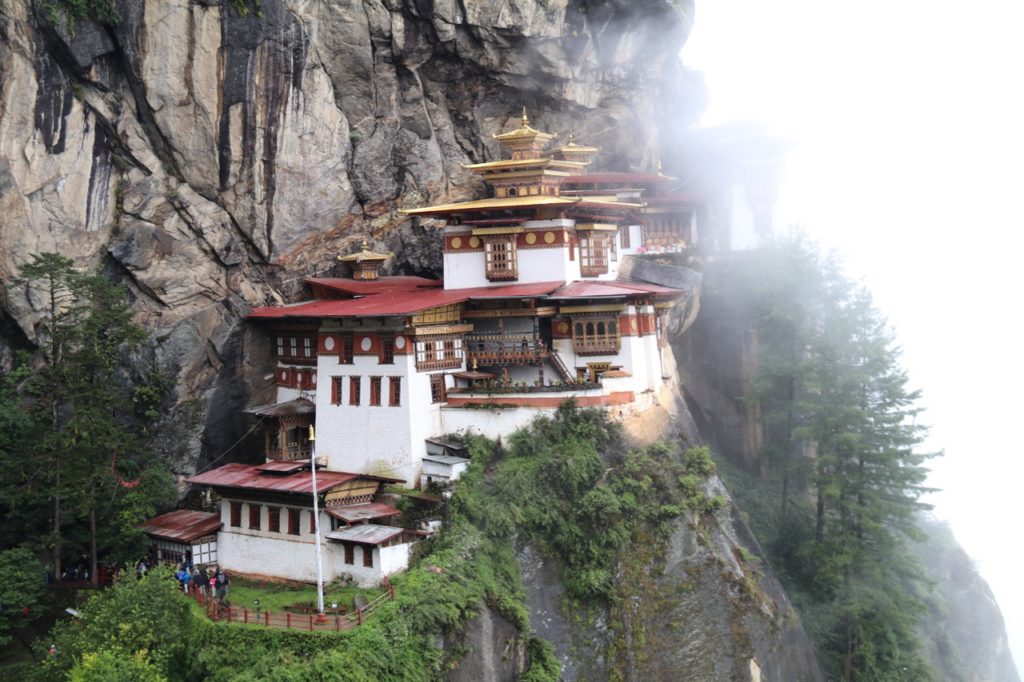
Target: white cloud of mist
<point>908,120</point>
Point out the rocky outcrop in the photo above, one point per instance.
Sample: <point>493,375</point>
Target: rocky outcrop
<point>209,157</point>
<point>717,365</point>
<point>964,633</point>
<point>702,605</point>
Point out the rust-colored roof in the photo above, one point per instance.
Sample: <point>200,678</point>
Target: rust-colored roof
<point>284,466</point>
<point>291,408</point>
<point>395,303</point>
<point>182,525</point>
<point>611,289</point>
<point>360,287</point>
<point>249,477</point>
<point>363,512</point>
<point>365,534</point>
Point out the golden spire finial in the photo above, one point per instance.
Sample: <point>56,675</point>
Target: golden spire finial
<point>572,138</point>
<point>366,244</point>
<point>525,119</point>
<point>474,364</point>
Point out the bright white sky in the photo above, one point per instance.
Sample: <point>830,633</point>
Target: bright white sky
<point>908,120</point>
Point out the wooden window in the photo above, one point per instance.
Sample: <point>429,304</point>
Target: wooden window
<point>347,350</point>
<point>274,519</point>
<point>367,556</point>
<point>254,516</point>
<point>336,390</point>
<point>624,231</point>
<point>596,336</point>
<point>350,554</point>
<point>395,399</point>
<point>438,394</point>
<point>386,352</point>
<point>312,522</point>
<point>353,390</point>
<point>500,257</point>
<point>593,255</point>
<point>293,521</point>
<point>236,514</point>
<point>375,391</point>
<point>439,353</point>
<point>297,347</point>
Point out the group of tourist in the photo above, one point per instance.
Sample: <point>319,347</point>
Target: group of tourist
<point>205,581</point>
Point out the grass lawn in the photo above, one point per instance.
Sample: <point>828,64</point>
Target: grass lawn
<point>275,596</point>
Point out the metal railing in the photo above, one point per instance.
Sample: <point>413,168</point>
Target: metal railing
<point>504,349</point>
<point>219,610</point>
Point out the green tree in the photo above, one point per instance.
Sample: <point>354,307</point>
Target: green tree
<point>831,386</point>
<point>139,624</point>
<point>22,590</point>
<point>96,413</point>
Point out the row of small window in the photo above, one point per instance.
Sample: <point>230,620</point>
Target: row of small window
<point>438,390</point>
<point>302,348</point>
<point>501,255</point>
<point>273,518</point>
<point>376,390</point>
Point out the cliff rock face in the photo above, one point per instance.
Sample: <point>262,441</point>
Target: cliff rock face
<point>702,606</point>
<point>964,632</point>
<point>192,150</point>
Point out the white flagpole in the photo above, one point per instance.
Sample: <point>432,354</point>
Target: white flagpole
<point>316,525</point>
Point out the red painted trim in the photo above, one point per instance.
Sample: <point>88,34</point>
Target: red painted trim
<point>322,348</point>
<point>647,324</point>
<point>357,344</point>
<point>409,347</point>
<point>627,325</point>
<point>616,398</point>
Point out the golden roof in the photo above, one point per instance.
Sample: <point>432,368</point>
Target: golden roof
<point>503,202</point>
<point>523,132</point>
<point>571,146</point>
<point>519,163</point>
<point>531,201</point>
<point>364,255</point>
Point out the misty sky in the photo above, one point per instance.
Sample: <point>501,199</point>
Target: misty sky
<point>908,121</point>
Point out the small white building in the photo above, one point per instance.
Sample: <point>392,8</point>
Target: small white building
<point>267,525</point>
<point>184,535</point>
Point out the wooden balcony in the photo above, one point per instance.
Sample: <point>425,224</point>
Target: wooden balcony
<point>486,350</point>
<point>290,452</point>
<point>597,346</point>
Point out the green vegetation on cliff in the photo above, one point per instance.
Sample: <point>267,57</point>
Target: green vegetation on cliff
<point>836,498</point>
<point>566,484</point>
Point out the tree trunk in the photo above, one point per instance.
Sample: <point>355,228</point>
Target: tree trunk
<point>93,573</point>
<point>848,656</point>
<point>819,522</point>
<point>57,571</point>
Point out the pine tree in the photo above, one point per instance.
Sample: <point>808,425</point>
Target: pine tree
<point>836,404</point>
<point>92,411</point>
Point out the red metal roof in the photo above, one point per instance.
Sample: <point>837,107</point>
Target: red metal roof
<point>612,177</point>
<point>393,303</point>
<point>365,534</point>
<point>363,512</point>
<point>611,289</point>
<point>364,287</point>
<point>249,477</point>
<point>182,525</point>
<point>284,466</point>
<point>291,408</point>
